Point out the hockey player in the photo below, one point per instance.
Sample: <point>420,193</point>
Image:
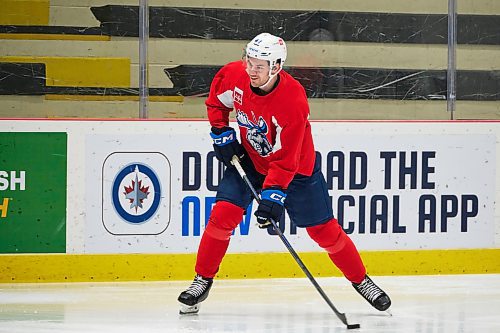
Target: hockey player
<point>277,153</point>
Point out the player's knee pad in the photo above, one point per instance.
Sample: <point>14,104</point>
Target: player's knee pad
<point>224,218</point>
<point>329,236</point>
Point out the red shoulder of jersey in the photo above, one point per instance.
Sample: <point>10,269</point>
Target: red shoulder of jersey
<point>220,99</point>
<point>293,95</point>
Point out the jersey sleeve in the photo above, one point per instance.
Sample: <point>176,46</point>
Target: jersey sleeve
<point>220,99</point>
<point>291,125</point>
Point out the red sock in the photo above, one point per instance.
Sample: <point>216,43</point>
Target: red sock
<point>341,250</point>
<point>213,246</point>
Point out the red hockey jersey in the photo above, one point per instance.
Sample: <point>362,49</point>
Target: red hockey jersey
<point>274,129</point>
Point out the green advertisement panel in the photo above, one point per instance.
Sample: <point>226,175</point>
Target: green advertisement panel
<point>33,192</point>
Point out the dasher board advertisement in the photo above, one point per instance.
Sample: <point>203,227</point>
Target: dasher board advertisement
<point>391,190</point>
<point>33,192</point>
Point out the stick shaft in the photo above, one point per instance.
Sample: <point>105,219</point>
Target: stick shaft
<point>285,241</point>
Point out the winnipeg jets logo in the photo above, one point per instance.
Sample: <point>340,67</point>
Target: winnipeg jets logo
<point>256,133</point>
<point>136,193</point>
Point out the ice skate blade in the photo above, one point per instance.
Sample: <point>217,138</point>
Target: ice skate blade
<point>189,310</point>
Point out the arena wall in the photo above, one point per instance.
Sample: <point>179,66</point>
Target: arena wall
<point>417,197</point>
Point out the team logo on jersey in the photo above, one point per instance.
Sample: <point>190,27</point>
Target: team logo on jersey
<point>256,133</point>
<point>238,95</point>
<point>136,193</point>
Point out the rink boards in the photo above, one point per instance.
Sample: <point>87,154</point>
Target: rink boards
<point>128,200</point>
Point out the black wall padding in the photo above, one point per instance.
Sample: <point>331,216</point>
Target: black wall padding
<point>237,24</point>
<point>359,83</point>
<point>47,29</point>
<point>22,78</point>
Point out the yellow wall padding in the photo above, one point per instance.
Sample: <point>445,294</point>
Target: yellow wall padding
<point>82,71</point>
<point>159,267</point>
<point>24,12</point>
<point>106,98</point>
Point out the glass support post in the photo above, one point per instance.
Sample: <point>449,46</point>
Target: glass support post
<point>143,58</point>
<point>452,58</point>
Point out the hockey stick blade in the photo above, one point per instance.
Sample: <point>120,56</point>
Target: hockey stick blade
<point>236,162</point>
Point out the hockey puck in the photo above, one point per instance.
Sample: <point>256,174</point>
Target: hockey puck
<point>353,326</point>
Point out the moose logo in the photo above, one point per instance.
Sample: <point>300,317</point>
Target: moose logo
<point>256,133</point>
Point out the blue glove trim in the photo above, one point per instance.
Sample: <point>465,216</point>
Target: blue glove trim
<point>276,196</point>
<point>224,138</point>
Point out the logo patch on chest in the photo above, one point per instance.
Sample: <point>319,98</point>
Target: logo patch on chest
<point>238,95</point>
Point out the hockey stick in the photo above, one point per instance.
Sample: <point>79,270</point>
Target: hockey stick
<point>236,162</point>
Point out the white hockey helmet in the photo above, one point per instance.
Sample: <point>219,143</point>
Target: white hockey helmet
<point>267,47</point>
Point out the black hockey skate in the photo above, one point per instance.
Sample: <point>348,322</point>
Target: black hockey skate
<point>373,294</point>
<point>197,292</point>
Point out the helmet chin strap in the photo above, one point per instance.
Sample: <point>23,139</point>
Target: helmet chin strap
<point>271,76</point>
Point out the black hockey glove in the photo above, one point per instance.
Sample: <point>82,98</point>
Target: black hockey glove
<point>226,145</point>
<point>271,206</point>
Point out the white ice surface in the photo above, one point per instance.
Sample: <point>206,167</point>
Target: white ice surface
<point>421,304</point>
